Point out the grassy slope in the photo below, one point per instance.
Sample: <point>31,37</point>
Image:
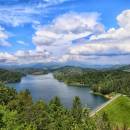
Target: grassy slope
<point>118,111</point>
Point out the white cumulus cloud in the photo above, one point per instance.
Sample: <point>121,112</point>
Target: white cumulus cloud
<point>112,46</point>
<point>4,37</point>
<point>77,37</point>
<point>68,27</point>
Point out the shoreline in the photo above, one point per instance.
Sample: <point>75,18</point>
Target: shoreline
<point>84,85</point>
<point>107,96</point>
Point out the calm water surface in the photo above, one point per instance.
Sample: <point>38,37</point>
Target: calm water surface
<point>46,87</point>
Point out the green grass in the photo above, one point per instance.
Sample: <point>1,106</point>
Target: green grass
<point>118,111</point>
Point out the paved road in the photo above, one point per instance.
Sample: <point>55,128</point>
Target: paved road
<point>92,113</point>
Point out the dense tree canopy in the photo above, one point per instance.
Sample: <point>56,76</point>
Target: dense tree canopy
<point>10,76</point>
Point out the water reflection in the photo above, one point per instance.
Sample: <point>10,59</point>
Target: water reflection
<point>46,87</point>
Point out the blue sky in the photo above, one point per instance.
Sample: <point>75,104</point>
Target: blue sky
<point>65,31</point>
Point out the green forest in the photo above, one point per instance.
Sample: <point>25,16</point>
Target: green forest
<point>8,76</point>
<point>102,81</point>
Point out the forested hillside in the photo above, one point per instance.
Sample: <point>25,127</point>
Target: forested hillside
<point>34,71</point>
<point>7,76</point>
<point>103,81</point>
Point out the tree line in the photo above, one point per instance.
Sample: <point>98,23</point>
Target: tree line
<point>103,81</point>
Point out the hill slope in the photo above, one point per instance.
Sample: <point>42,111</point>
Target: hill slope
<point>103,81</point>
<point>118,111</point>
<point>7,76</point>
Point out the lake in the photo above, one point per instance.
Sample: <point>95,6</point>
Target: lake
<point>46,87</point>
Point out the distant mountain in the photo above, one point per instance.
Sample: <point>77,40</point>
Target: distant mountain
<point>125,68</point>
<point>55,65</point>
<point>35,66</point>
